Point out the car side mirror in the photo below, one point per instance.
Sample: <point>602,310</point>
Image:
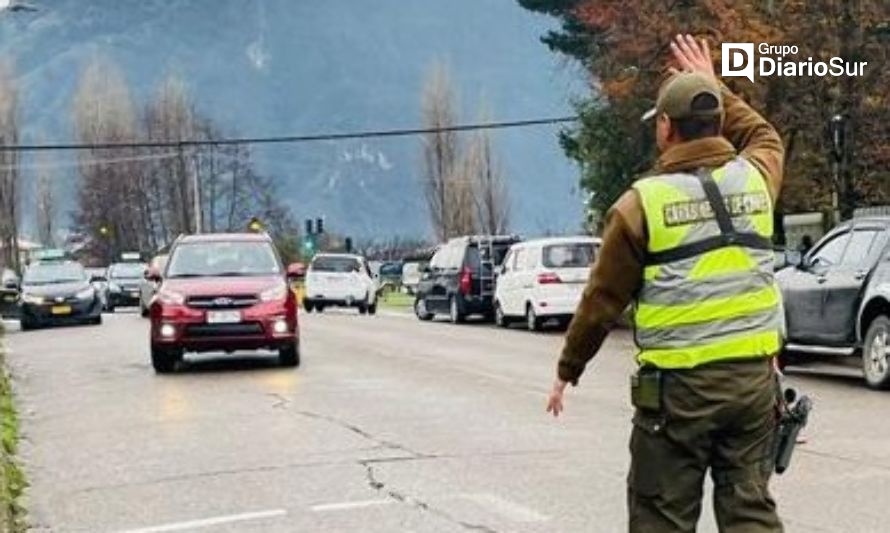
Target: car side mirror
<point>296,271</point>
<point>153,274</point>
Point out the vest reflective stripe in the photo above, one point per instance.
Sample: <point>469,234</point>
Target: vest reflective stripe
<point>745,346</point>
<point>655,316</point>
<point>677,290</point>
<point>714,330</point>
<point>723,303</point>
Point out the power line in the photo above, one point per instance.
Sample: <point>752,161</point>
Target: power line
<point>90,162</point>
<point>287,139</point>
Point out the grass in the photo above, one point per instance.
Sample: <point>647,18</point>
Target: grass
<point>12,479</point>
<point>396,300</point>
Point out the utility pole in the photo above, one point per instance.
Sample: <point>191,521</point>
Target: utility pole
<point>196,192</point>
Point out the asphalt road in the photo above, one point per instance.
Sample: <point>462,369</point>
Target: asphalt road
<point>390,425</point>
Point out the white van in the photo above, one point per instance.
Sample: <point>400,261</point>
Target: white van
<point>543,279</point>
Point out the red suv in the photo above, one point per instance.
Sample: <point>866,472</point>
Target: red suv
<point>223,292</point>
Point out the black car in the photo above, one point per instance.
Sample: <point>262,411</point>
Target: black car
<point>460,278</point>
<point>837,300</point>
<point>124,284</point>
<point>58,293</point>
<point>9,294</point>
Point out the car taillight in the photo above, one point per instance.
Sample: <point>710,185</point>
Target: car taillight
<point>466,281</point>
<point>548,278</point>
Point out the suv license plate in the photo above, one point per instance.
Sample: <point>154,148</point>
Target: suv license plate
<point>223,317</point>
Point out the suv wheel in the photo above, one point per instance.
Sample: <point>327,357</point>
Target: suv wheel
<point>289,356</point>
<point>420,310</point>
<point>164,359</point>
<point>499,317</point>
<point>876,353</point>
<point>28,325</point>
<point>454,312</point>
<point>372,309</point>
<point>143,310</point>
<point>532,322</point>
<point>308,306</point>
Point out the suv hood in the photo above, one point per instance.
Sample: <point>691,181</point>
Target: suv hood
<point>221,286</point>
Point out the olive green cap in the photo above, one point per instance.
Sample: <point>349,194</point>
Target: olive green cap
<point>676,95</point>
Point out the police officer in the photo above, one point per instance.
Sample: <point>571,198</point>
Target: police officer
<point>689,245</point>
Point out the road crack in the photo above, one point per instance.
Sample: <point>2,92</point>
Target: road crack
<point>382,443</point>
<point>378,486</point>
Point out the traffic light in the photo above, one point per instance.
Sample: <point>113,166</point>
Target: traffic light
<point>309,226</point>
<point>104,230</point>
<point>348,244</point>
<point>255,225</point>
<point>319,225</point>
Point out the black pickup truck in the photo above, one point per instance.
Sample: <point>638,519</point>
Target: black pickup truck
<point>837,300</point>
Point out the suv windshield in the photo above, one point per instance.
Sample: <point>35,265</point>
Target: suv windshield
<point>48,273</point>
<point>335,264</point>
<point>126,271</point>
<point>568,255</point>
<point>234,258</point>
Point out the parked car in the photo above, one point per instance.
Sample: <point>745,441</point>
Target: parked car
<point>390,273</point>
<point>9,293</point>
<point>411,274</point>
<point>149,284</point>
<point>460,279</point>
<point>340,280</point>
<point>124,281</point>
<point>543,279</point>
<point>58,292</point>
<point>223,292</point>
<point>99,280</point>
<point>837,300</point>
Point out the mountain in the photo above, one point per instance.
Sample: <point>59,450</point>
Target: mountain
<point>283,67</point>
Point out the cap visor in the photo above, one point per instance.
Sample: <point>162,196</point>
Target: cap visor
<point>649,115</point>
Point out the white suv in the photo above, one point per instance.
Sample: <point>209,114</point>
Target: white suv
<point>340,280</point>
<point>543,279</point>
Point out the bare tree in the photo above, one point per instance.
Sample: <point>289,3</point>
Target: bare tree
<point>460,199</point>
<point>9,165</point>
<point>45,196</point>
<point>440,149</point>
<point>108,207</point>
<point>490,193</point>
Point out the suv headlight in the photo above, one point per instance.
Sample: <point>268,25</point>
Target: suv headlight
<point>32,299</point>
<point>278,292</point>
<point>171,298</point>
<point>86,294</point>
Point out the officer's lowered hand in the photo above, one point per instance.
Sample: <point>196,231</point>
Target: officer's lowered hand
<point>554,401</point>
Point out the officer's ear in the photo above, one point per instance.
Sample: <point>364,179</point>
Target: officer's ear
<point>665,134</point>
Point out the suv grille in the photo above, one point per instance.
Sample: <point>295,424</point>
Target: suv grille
<point>222,330</point>
<point>222,302</point>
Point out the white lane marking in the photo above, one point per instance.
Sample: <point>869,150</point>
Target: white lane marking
<point>346,506</point>
<point>208,522</point>
<point>507,508</point>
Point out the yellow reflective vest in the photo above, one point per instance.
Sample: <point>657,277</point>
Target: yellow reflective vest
<point>708,290</point>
